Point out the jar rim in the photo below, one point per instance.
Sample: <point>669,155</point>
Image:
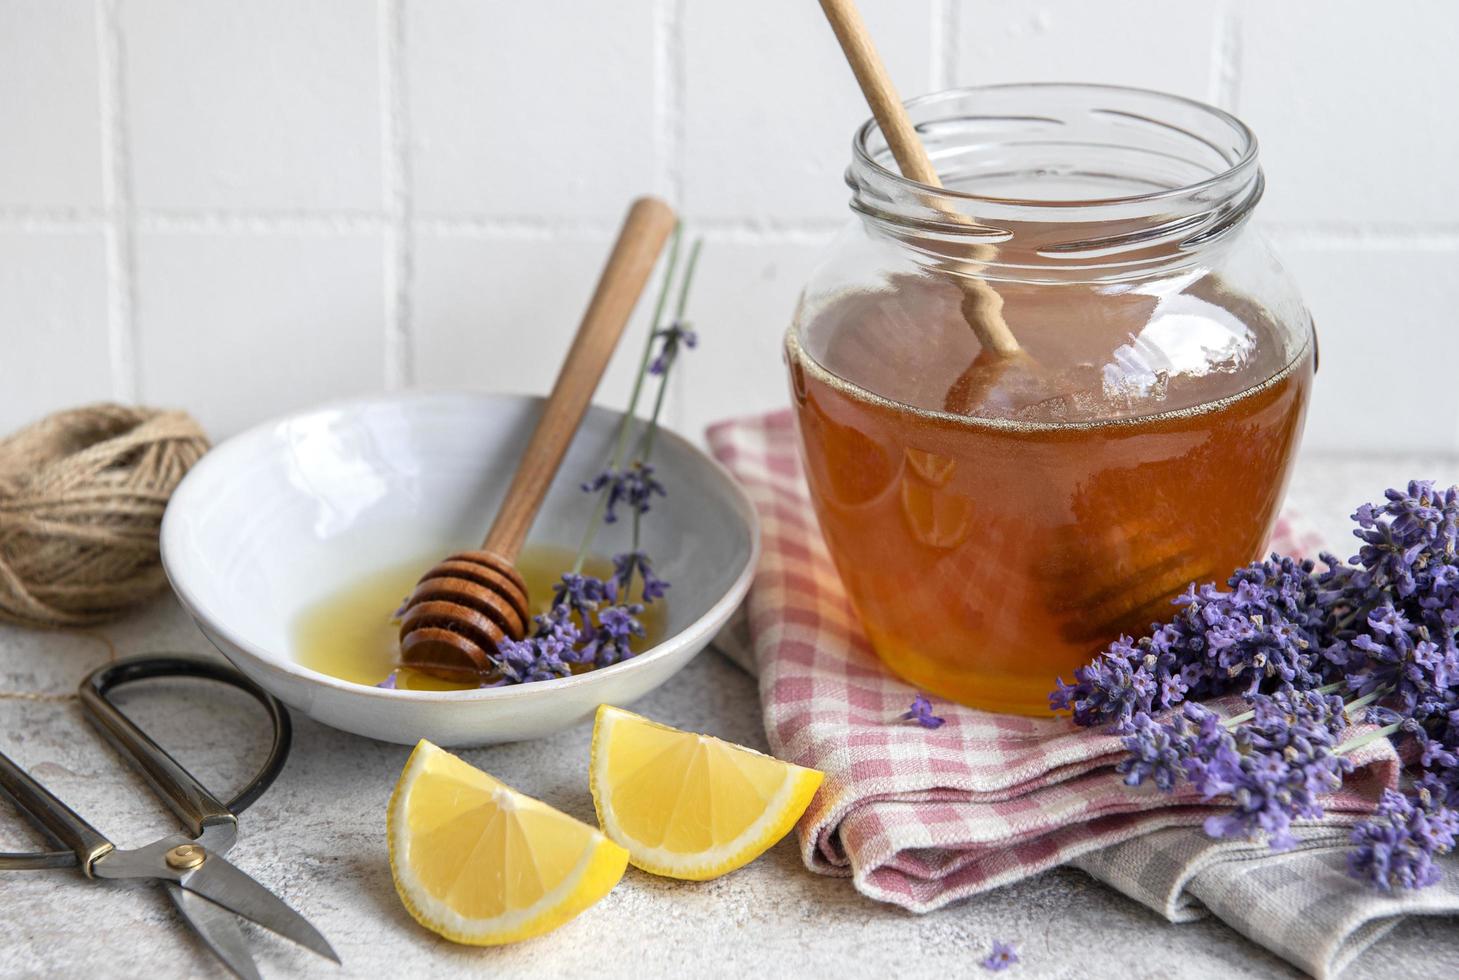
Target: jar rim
<point>1246,141</point>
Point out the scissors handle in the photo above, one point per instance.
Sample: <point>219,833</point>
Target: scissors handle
<point>186,797</point>
<point>194,805</point>
<point>83,842</point>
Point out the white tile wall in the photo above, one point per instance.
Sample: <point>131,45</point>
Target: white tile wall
<point>1382,386</point>
<point>496,132</point>
<point>769,104</point>
<point>240,327</point>
<point>270,104</point>
<point>1163,45</point>
<point>499,314</point>
<point>1356,113</point>
<point>50,115</point>
<point>53,302</point>
<point>740,313</point>
<point>245,208</point>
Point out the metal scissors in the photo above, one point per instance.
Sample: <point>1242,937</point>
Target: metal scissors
<point>204,886</point>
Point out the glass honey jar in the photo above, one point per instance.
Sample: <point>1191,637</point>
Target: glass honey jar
<point>998,519</point>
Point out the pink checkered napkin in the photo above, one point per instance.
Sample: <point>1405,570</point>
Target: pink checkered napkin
<point>923,817</point>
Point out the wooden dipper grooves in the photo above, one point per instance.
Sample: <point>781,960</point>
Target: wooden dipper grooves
<point>466,605</point>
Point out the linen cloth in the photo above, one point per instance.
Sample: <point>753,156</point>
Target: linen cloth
<point>920,818</point>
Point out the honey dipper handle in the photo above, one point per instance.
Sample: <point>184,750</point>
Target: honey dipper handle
<point>881,94</point>
<point>642,237</point>
<point>983,305</point>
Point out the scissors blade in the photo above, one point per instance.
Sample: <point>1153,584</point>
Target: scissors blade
<point>218,929</point>
<point>220,882</point>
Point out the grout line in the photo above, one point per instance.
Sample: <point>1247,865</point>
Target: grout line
<point>669,97</point>
<point>213,221</point>
<point>817,233</point>
<point>345,223</point>
<point>516,229</point>
<point>399,257</point>
<point>1422,236</point>
<point>1225,85</point>
<point>53,219</point>
<point>946,32</point>
<point>568,229</point>
<point>123,331</point>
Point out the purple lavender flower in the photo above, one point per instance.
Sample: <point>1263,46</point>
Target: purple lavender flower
<point>1385,625</point>
<point>634,486</point>
<point>558,634</point>
<point>674,336</point>
<point>1003,956</point>
<point>577,629</point>
<point>1436,754</point>
<point>1114,688</point>
<point>640,487</point>
<point>1286,760</point>
<point>1265,634</point>
<point>1440,786</point>
<point>536,658</point>
<point>582,594</point>
<point>1411,524</point>
<point>388,683</point>
<point>613,480</point>
<point>1403,661</point>
<point>1397,846</point>
<point>921,713</point>
<point>1274,768</point>
<point>1213,757</point>
<point>631,562</point>
<point>1157,752</point>
<point>610,641</point>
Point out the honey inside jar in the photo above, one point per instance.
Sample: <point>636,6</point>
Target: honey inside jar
<point>351,634</point>
<point>994,534</point>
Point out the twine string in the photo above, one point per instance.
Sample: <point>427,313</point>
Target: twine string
<point>81,499</point>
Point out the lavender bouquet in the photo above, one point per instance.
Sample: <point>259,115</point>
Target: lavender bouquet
<point>1373,638</point>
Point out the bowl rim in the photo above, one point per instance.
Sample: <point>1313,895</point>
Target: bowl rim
<point>208,622</point>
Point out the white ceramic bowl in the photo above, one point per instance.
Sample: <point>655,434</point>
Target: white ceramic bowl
<point>274,519</point>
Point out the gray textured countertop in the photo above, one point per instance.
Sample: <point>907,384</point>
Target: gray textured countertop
<point>318,840</point>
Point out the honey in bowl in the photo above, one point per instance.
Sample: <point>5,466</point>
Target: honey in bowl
<point>350,634</point>
<point>989,551</point>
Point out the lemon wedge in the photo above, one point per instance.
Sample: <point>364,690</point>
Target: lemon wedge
<point>477,862</point>
<point>686,805</point>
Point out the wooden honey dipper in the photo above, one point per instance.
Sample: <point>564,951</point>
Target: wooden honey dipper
<point>982,306</point>
<point>469,603</point>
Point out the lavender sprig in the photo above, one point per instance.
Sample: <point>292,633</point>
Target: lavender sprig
<point>609,643</point>
<point>1380,629</point>
<point>1265,634</point>
<point>633,486</point>
<point>591,622</point>
<point>674,336</point>
<point>631,563</point>
<point>1274,767</point>
<point>1397,846</point>
<point>633,483</point>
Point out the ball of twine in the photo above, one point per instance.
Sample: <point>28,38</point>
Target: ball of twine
<point>81,500</point>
